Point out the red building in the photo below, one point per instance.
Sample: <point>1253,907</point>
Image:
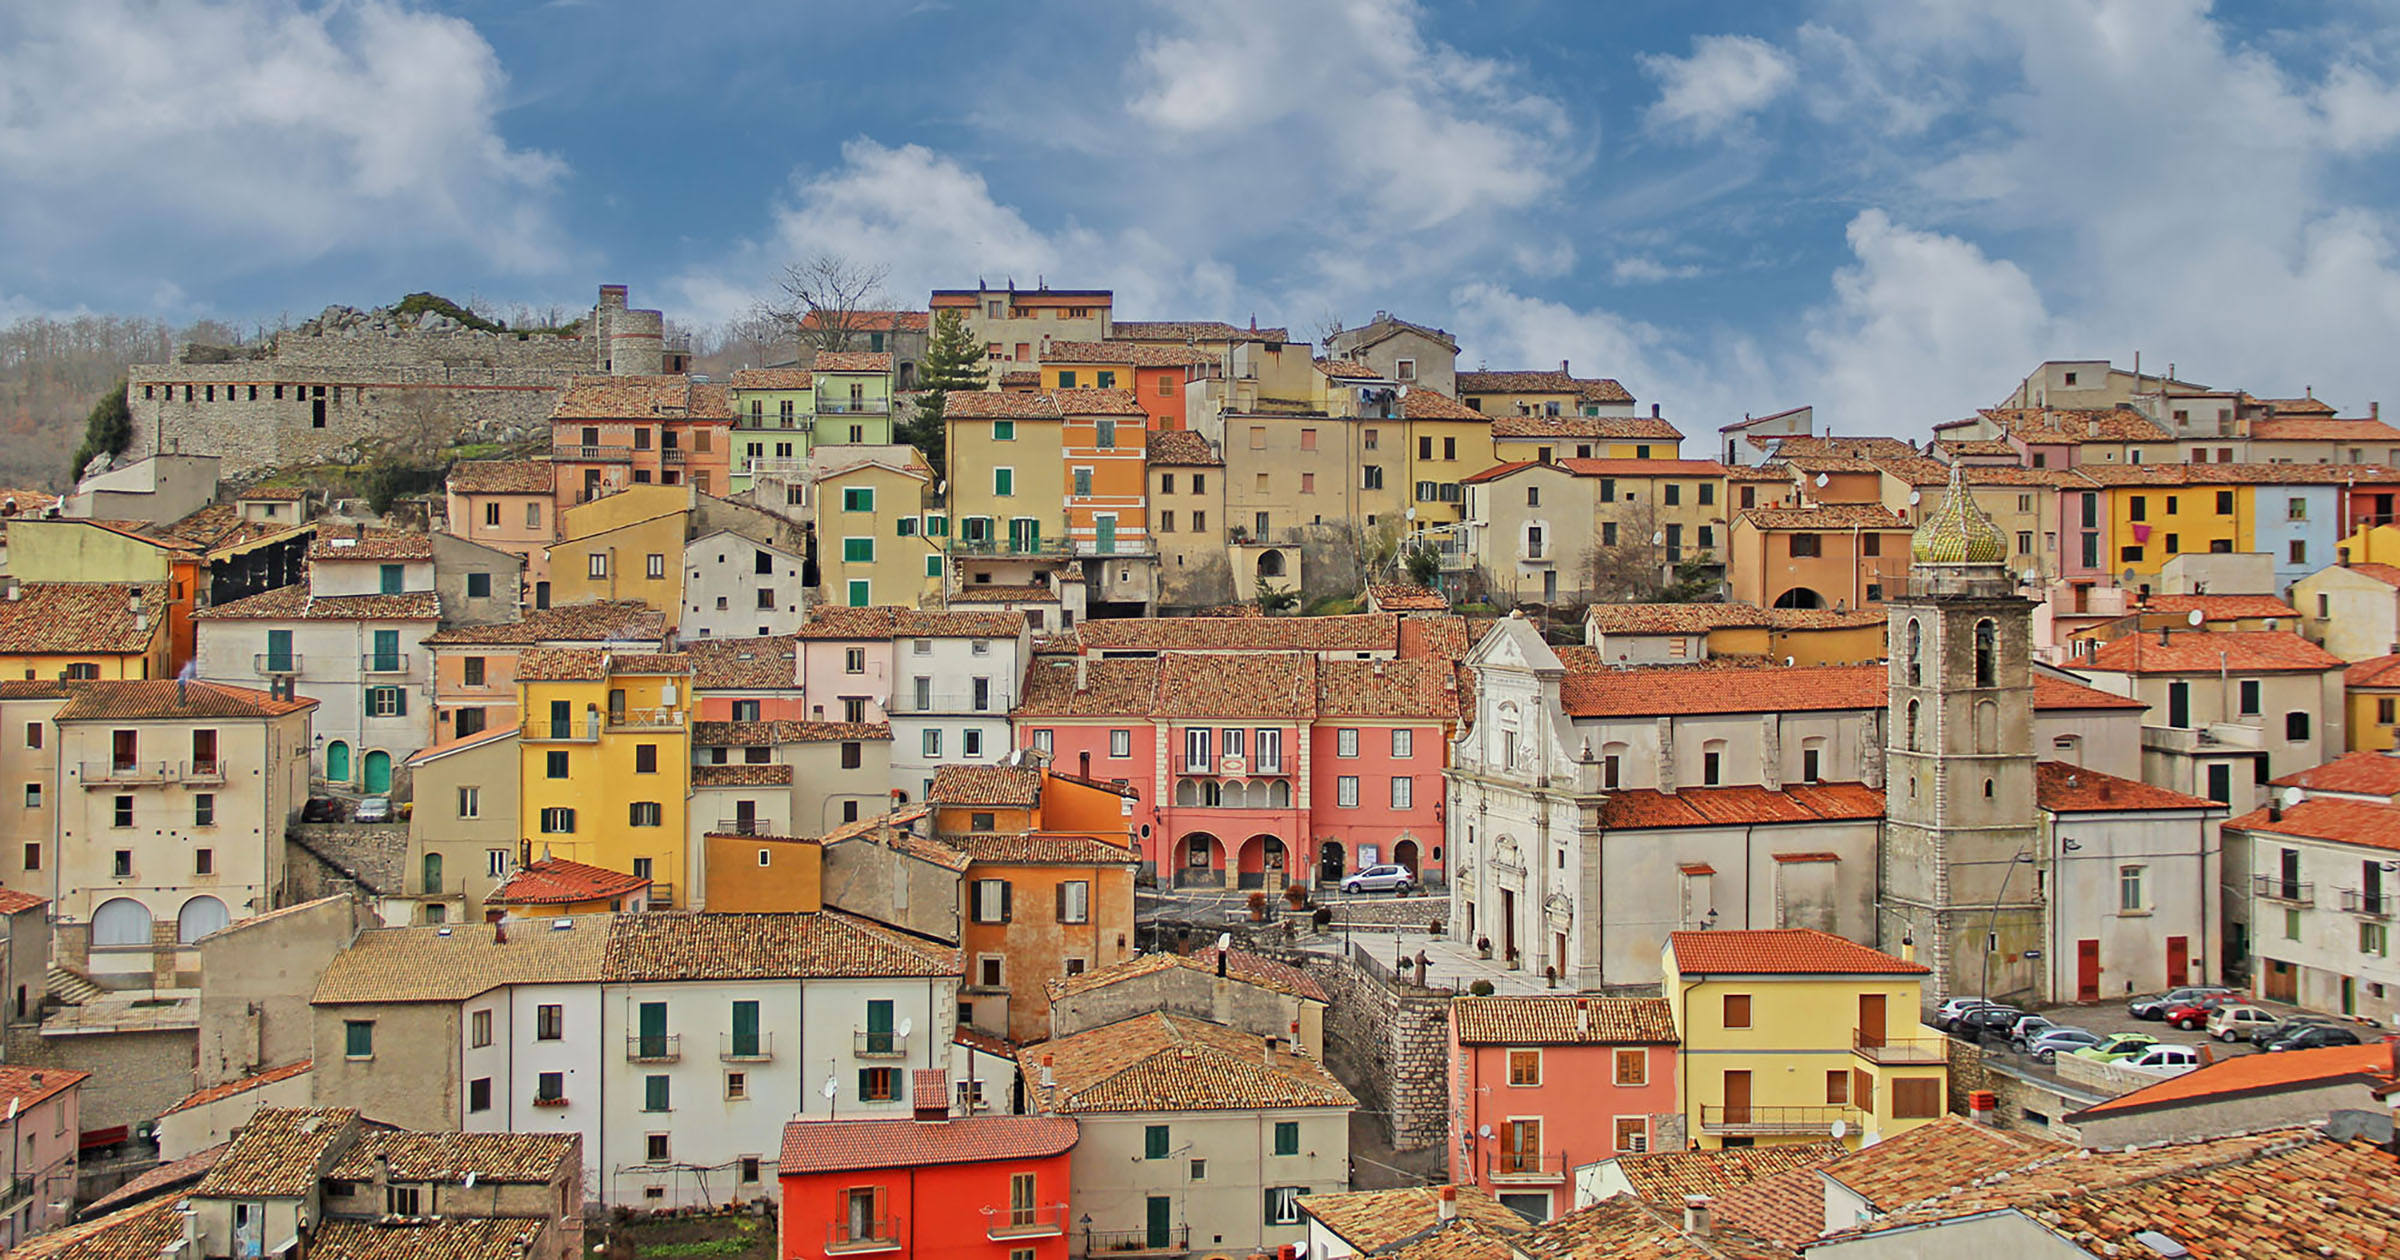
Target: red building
<point>930,1187</point>
<point>1253,770</point>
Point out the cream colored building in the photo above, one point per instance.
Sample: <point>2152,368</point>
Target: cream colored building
<point>2222,703</point>
<point>879,536</point>
<point>463,832</point>
<point>1011,324</point>
<point>2352,611</point>
<point>1187,517</point>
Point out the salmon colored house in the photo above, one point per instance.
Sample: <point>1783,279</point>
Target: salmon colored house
<point>1156,375</point>
<point>1830,555</point>
<point>1104,439</point>
<point>1558,1081</point>
<point>609,432</point>
<point>935,1187</point>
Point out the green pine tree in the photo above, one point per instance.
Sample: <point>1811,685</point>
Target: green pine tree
<point>108,430</point>
<point>952,362</point>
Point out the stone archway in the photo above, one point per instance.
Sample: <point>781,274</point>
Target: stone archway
<point>1261,863</point>
<point>1404,853</point>
<point>1199,861</point>
<point>1332,862</point>
<point>1800,597</point>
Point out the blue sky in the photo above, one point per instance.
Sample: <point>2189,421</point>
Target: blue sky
<point>1888,208</point>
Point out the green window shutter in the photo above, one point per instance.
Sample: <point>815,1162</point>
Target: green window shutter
<point>858,550</point>
<point>358,1038</point>
<point>858,499</point>
<point>1004,481</point>
<point>1154,1142</point>
<point>933,564</point>
<point>745,1028</point>
<point>1287,1137</point>
<point>859,593</point>
<point>1066,380</point>
<point>654,1093</point>
<point>392,576</point>
<point>1004,430</point>
<point>1107,380</point>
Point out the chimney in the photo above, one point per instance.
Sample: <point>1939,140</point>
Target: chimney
<point>1981,1106</point>
<point>1696,1216</point>
<point>1083,674</point>
<point>2274,809</point>
<point>1654,411</point>
<point>2091,428</point>
<point>2163,633</point>
<point>15,592</point>
<point>1562,368</point>
<point>499,931</point>
<point>2374,411</point>
<point>1221,962</point>
<point>1049,1076</point>
<point>1583,1017</point>
<point>932,1105</point>
<point>1908,949</point>
<point>1445,1205</point>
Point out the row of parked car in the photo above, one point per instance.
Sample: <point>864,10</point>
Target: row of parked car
<point>2220,1011</point>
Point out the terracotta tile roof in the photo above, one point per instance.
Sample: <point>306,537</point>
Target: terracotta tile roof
<point>1349,370</point>
<point>1026,381</point>
<point>1458,1242</point>
<point>22,501</point>
<point>1434,637</point>
<point>1097,402</point>
<point>280,1153</point>
<point>562,665</point>
<point>173,1174</point>
<point>1645,809</point>
<point>144,1231</point>
<point>2308,406</point>
<point>740,775</point>
<point>2387,574</point>
<point>679,945</point>
<point>772,662</point>
<point>1240,965</point>
<point>852,361</point>
<point>774,378</point>
<point>1930,1159</point>
<point>1519,383</point>
<point>784,731</point>
<point>1662,690</point>
<point>1423,402</point>
<point>1386,689</point>
<point>2058,693</point>
<point>449,1157</point>
<point>606,621</point>
<point>2380,671</point>
<point>1111,687</point>
<point>2322,429</point>
<point>167,699</point>
<point>1268,684</point>
<point>219,1093</point>
<point>1821,446</point>
<point>597,397</point>
<point>824,1146</point>
<point>2170,474</point>
<point>294,603</point>
<point>1356,632</point>
<point>1039,849</point>
<point>2358,773</point>
<point>422,964</point>
<point>270,494</point>
<point>888,622</point>
<point>1497,471</point>
<point>878,321</point>
<point>1777,472</point>
<point>1373,1221</point>
<point>1136,353</point>
<point>649,663</point>
<point>1703,468</point>
<point>1975,446</point>
<point>1181,448</point>
<point>984,404</point>
<point>2224,607</point>
<point>2374,824</point>
<point>2248,1075</point>
<point>1781,951</point>
<point>555,881</point>
<point>15,902</point>
<point>335,543</point>
<point>33,688</point>
<point>1672,618</point>
<point>1190,330</point>
<point>1826,516</point>
<point>451,1238</point>
<point>986,785</point>
<point>2066,789</point>
<point>1812,464</point>
<point>1407,597</point>
<point>95,618</point>
<point>25,1087</point>
<point>1160,1062</point>
<point>1786,1208</point>
<point>1568,428</point>
<point>503,476</point>
<point>1668,1177</point>
<point>1627,1228</point>
<point>1003,593</point>
<point>1563,1020</point>
<point>2197,652</point>
<point>2049,426</point>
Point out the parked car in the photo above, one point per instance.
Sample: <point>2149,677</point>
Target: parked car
<point>2117,1046</point>
<point>2163,1060</point>
<point>321,809</point>
<point>374,809</point>
<point>1956,1021</point>
<point>1385,878</point>
<point>2235,1021</point>
<point>1989,1021</point>
<point>1952,1008</point>
<point>2285,1028</point>
<point>2195,1013</point>
<point>2314,1036</point>
<point>2155,1006</point>
<point>2028,1027</point>
<point>2053,1041</point>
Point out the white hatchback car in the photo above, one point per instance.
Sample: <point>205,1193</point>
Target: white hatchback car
<point>2236,1023</point>
<point>1386,878</point>
<point>2164,1060</point>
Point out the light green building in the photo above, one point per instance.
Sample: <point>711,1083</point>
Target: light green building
<point>774,413</point>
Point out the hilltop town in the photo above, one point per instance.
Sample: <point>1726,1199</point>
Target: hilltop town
<point>1013,781</point>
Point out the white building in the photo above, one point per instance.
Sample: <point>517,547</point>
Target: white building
<point>739,587</point>
<point>2315,885</point>
<point>955,680</point>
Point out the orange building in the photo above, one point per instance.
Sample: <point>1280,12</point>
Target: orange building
<point>764,874</point>
<point>935,1187</point>
<point>1103,437</point>
<point>1157,375</point>
<point>475,667</point>
<point>1835,555</point>
<point>1049,885</point>
<point>609,432</point>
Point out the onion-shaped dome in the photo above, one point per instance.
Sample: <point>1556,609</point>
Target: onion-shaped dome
<point>1958,532</point>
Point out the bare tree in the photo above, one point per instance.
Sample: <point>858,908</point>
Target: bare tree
<point>829,301</point>
<point>1323,329</point>
<point>1623,562</point>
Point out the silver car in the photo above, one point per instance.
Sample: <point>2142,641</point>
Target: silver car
<point>374,809</point>
<point>2047,1047</point>
<point>1386,878</point>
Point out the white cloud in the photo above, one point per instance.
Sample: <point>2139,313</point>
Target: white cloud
<point>1726,79</point>
<point>256,132</point>
<point>1645,269</point>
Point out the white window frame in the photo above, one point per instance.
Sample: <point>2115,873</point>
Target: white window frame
<point>1345,742</point>
<point>1345,791</point>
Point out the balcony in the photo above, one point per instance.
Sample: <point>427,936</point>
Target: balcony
<point>853,1237</point>
<point>944,702</point>
<point>1036,548</point>
<point>662,897</point>
<point>657,719</point>
<point>854,407</point>
<point>2294,892</point>
<point>1527,1168</point>
<point>276,664</point>
<point>661,1048</point>
<point>746,1047</point>
<point>592,454</point>
<point>1092,548</point>
<point>879,1045</point>
<point>1772,1121</point>
<point>672,455</point>
<point>17,1191</point>
<point>554,1101</point>
<point>379,663</point>
<point>1899,1050</point>
<point>138,773</point>
<point>547,731</point>
<point>772,466</point>
<point>1007,1224</point>
<point>2374,905</point>
<point>1173,1240</point>
<point>743,827</point>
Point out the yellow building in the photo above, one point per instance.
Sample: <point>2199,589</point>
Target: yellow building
<point>1795,1035</point>
<point>878,539</point>
<point>606,762</point>
<point>52,630</point>
<point>624,545</point>
<point>1444,443</point>
<point>2372,691</point>
<point>1008,488</point>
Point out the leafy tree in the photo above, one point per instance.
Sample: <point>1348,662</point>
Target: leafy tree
<point>108,430</point>
<point>952,362</point>
<point>1693,583</point>
<point>1423,561</point>
<point>1273,599</point>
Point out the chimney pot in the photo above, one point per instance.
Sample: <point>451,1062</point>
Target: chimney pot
<point>1446,1204</point>
<point>1049,1076</point>
<point>1562,368</point>
<point>1696,1215</point>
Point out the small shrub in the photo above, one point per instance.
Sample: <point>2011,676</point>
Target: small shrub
<point>1481,988</point>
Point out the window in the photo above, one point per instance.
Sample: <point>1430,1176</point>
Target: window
<point>1633,1134</point>
<point>595,565</point>
<point>2374,938</point>
<point>1287,1137</point>
<point>1345,742</point>
<point>1404,744</point>
<point>1195,749</point>
<point>387,702</point>
<point>495,862</point>
<point>121,814</point>
<point>1917,1099</point>
<point>858,498</point>
<point>1154,1141</point>
<point>479,1094</point>
<point>1837,1089</point>
<point>858,551</point>
<point>402,1201</point>
<point>479,586</point>
<point>1283,1204</point>
<point>993,901</point>
<point>2295,724</point>
<point>1737,1010</point>
<point>1370,477</point>
<point>654,1146</point>
<point>1524,1067</point>
<point>737,1087</point>
<point>1004,481</point>
<point>655,1094</point>
<point>33,796</point>
<point>1075,901</point>
<point>931,742</point>
<point>879,1084</point>
<point>358,1038</point>
<point>2129,889</point>
<point>1810,545</point>
<point>645,757</point>
<point>2291,924</point>
<point>204,862</point>
<point>1633,1067</point>
<point>1345,791</point>
<point>645,814</point>
<point>1404,792</point>
<point>555,763</point>
<point>549,1022</point>
<point>470,671</point>
<point>121,864</point>
<point>1120,743</point>
<point>479,1027</point>
<point>550,1087</point>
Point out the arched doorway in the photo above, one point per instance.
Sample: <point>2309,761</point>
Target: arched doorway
<point>121,922</point>
<point>337,762</point>
<point>1331,862</point>
<point>1405,854</point>
<point>201,916</point>
<point>1261,862</point>
<point>379,772</point>
<point>1270,564</point>
<point>1799,597</point>
<point>1196,862</point>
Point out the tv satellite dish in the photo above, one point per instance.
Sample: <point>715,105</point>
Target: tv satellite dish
<point>1485,1132</point>
<point>2194,617</point>
<point>1915,497</point>
<point>1659,539</point>
<point>830,1089</point>
<point>907,1026</point>
<point>1823,481</point>
<point>470,1184</point>
<point>2292,797</point>
<point>1224,940</point>
<point>1840,1130</point>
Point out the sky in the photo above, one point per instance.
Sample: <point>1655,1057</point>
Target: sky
<point>1891,210</point>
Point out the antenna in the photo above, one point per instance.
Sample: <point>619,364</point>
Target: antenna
<point>829,1089</point>
<point>1485,1133</point>
<point>1840,1130</point>
<point>2292,797</point>
<point>1224,940</point>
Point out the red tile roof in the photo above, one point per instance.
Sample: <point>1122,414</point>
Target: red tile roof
<point>1407,597</point>
<point>2358,773</point>
<point>2374,824</point>
<point>2066,789</point>
<point>1662,690</point>
<point>1423,403</point>
<point>852,361</point>
<point>774,378</point>
<point>1931,1159</point>
<point>1246,967</point>
<point>984,404</point>
<point>558,881</point>
<point>1357,632</point>
<point>14,902</point>
<point>1015,786</point>
<point>1702,468</point>
<point>603,621</point>
<point>2380,671</point>
<point>2209,652</point>
<point>166,699</point>
<point>1181,448</point>
<point>23,1087</point>
<point>337,543</point>
<point>888,622</point>
<point>219,1093</point>
<point>740,774</point>
<point>2224,607</point>
<point>1160,1062</point>
<point>2044,426</point>
<point>830,1146</point>
<point>1826,516</point>
<point>2248,1074</point>
<point>1350,370</point>
<point>2058,693</point>
<point>1548,1019</point>
<point>1097,402</point>
<point>1190,330</point>
<point>1644,809</point>
<point>1569,428</point>
<point>597,397</point>
<point>1781,951</point>
<point>502,476</point>
<point>1497,471</point>
<point>2325,429</point>
<point>294,603</point>
<point>82,618</point>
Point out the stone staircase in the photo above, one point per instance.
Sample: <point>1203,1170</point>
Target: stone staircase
<point>71,986</point>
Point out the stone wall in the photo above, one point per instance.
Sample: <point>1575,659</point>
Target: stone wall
<point>1390,1045</point>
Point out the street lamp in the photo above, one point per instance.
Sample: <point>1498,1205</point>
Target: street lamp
<point>1991,932</point>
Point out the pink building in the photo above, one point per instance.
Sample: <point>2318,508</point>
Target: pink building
<point>47,1104</point>
<point>508,504</point>
<point>846,664</point>
<point>1251,770</point>
<point>1557,1081</point>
